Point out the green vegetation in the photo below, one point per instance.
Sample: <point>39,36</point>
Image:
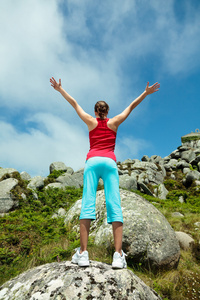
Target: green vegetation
<point>29,237</point>
<point>190,138</point>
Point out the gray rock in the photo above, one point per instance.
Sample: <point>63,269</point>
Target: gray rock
<point>3,214</point>
<point>162,168</point>
<point>7,200</point>
<point>60,166</point>
<point>34,194</point>
<point>182,164</point>
<point>183,148</point>
<point>145,158</point>
<point>181,199</point>
<point>127,182</point>
<point>193,144</point>
<point>175,154</point>
<point>186,170</point>
<point>154,177</point>
<point>68,281</point>
<point>55,185</point>
<point>188,155</point>
<point>185,240</point>
<point>4,171</point>
<point>75,179</point>
<point>147,236</point>
<point>80,171</point>
<point>171,165</point>
<point>143,166</point>
<point>155,159</point>
<point>198,166</point>
<point>75,210</point>
<point>143,178</point>
<point>78,177</point>
<point>197,152</point>
<point>195,161</point>
<point>166,159</point>
<point>36,182</point>
<point>144,188</point>
<point>23,196</point>
<point>172,176</point>
<point>60,213</point>
<point>197,224</point>
<point>25,176</point>
<point>177,214</point>
<point>191,176</point>
<point>121,172</point>
<point>70,170</point>
<point>197,182</point>
<point>162,191</point>
<point>128,161</point>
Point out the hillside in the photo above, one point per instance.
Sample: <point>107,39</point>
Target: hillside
<point>33,231</point>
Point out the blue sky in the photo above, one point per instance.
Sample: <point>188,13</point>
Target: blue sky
<point>101,50</point>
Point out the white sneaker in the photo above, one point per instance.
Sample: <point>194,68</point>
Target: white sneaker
<point>81,259</point>
<point>119,262</point>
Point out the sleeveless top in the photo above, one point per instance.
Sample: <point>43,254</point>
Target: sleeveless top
<point>102,140</point>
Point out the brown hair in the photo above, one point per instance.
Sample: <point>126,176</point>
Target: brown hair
<point>102,108</point>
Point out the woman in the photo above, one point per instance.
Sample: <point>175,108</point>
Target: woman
<point>101,163</point>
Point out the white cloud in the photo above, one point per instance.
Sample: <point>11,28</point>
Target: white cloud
<point>100,52</point>
<point>53,140</point>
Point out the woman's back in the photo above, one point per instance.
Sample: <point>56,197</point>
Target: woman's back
<point>102,140</point>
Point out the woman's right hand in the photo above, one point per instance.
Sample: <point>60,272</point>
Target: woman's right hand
<point>55,84</point>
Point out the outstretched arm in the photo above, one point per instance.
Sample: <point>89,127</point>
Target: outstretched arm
<point>117,120</point>
<point>82,114</point>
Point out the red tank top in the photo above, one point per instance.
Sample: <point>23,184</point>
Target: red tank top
<point>102,140</point>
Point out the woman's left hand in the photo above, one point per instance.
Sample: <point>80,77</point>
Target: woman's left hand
<point>55,84</point>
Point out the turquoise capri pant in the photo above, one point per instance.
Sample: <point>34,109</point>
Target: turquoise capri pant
<point>106,168</point>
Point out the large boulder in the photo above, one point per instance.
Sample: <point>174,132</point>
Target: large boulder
<point>147,235</point>
<point>191,176</point>
<point>7,201</point>
<point>185,240</point>
<point>25,176</point>
<point>127,182</point>
<point>68,281</point>
<point>188,155</point>
<point>75,179</point>
<point>57,166</point>
<point>36,182</point>
<point>4,171</point>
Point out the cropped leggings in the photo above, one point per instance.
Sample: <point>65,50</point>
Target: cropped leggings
<point>105,168</point>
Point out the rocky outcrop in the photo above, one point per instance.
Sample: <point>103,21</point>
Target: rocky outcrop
<point>58,166</point>
<point>70,282</point>
<point>36,182</point>
<point>147,235</point>
<point>4,171</point>
<point>185,240</point>
<point>147,175</point>
<point>7,200</point>
<point>76,179</point>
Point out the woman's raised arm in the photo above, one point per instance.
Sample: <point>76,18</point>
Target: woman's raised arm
<point>117,120</point>
<point>88,119</point>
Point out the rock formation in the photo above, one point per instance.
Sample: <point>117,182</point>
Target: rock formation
<point>147,235</point>
<point>69,282</point>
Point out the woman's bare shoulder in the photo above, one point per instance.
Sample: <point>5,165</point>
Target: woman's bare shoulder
<point>112,124</point>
